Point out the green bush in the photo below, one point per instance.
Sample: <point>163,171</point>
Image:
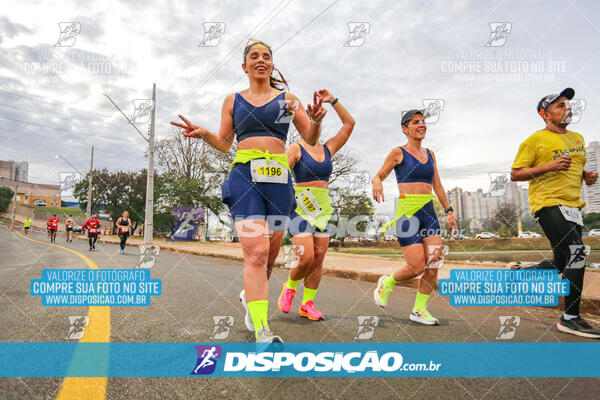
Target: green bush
<point>6,194</point>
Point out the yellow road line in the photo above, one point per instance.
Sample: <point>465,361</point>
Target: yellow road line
<point>97,331</point>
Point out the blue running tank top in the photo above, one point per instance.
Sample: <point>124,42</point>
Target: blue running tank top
<point>271,119</point>
<point>308,169</point>
<point>413,170</point>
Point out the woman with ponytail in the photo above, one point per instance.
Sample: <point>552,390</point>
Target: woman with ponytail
<point>259,190</point>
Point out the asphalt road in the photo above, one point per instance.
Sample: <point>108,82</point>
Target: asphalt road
<point>197,288</point>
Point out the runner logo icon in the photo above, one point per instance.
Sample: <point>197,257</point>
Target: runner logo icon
<point>68,34</point>
<point>212,34</point>
<point>223,324</point>
<point>499,32</point>
<point>357,34</point>
<point>207,359</point>
<point>577,260</point>
<point>366,327</point>
<point>508,326</point>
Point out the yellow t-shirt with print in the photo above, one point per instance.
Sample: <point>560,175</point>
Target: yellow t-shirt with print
<point>555,187</point>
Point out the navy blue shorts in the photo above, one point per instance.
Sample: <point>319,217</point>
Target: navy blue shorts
<point>299,225</point>
<point>272,202</point>
<point>423,223</point>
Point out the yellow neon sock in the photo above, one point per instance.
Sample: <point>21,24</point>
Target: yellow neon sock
<point>291,284</point>
<point>389,282</point>
<point>258,312</point>
<point>421,301</point>
<point>308,295</point>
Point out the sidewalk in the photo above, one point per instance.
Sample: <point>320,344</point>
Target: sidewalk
<point>359,267</point>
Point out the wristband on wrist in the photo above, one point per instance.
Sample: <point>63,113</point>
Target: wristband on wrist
<point>449,209</point>
<point>314,121</point>
<point>334,101</point>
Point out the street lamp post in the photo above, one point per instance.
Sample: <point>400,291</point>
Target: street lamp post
<point>89,196</point>
<point>88,210</point>
<point>149,214</point>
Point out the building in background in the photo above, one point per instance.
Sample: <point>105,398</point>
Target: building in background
<point>591,194</point>
<point>13,170</point>
<point>479,206</point>
<point>28,193</point>
<point>15,175</point>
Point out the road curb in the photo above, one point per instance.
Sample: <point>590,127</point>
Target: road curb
<point>588,305</point>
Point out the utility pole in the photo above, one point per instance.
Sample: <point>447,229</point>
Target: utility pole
<point>148,223</point>
<point>89,195</point>
<point>518,207</point>
<point>12,222</point>
<point>149,220</point>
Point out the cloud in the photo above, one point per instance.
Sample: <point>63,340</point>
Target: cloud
<point>9,29</point>
<point>123,49</point>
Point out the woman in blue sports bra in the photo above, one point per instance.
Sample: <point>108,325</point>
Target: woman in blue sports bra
<point>309,223</point>
<point>259,190</point>
<point>417,226</point>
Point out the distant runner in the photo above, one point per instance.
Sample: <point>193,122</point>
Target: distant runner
<point>26,225</point>
<point>93,227</point>
<point>69,228</point>
<point>124,226</point>
<point>52,228</point>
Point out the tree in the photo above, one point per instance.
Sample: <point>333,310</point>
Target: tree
<point>443,221</point>
<point>350,206</point>
<point>115,192</point>
<point>6,195</point>
<point>591,221</point>
<point>504,221</point>
<point>193,171</point>
<point>530,224</point>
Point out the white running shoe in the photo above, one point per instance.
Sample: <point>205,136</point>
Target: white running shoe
<point>248,318</point>
<point>513,265</point>
<point>266,336</point>
<point>423,316</point>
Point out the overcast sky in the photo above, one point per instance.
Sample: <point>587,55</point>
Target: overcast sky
<point>51,96</point>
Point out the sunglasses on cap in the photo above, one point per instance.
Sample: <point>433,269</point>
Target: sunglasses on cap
<point>254,41</point>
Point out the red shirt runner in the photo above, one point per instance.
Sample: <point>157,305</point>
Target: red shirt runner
<point>52,223</point>
<point>92,224</point>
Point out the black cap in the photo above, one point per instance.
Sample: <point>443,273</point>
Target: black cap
<point>407,115</point>
<point>569,93</point>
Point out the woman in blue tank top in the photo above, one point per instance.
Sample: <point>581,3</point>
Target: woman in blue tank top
<point>417,226</point>
<point>309,223</point>
<point>259,190</point>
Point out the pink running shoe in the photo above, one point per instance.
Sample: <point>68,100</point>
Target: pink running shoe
<point>309,311</point>
<point>285,299</point>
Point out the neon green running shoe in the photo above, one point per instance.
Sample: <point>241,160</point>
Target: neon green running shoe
<point>423,316</point>
<point>381,293</point>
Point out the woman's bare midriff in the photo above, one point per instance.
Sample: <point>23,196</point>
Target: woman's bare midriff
<point>319,184</point>
<point>263,143</point>
<point>414,188</point>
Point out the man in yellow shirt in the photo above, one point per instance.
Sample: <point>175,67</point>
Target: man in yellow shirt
<point>26,225</point>
<point>552,160</point>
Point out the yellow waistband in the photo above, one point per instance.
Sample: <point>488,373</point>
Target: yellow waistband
<point>243,156</point>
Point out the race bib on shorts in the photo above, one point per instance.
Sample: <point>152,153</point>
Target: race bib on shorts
<point>268,172</point>
<point>93,230</point>
<point>308,203</point>
<point>124,229</point>
<point>572,214</point>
